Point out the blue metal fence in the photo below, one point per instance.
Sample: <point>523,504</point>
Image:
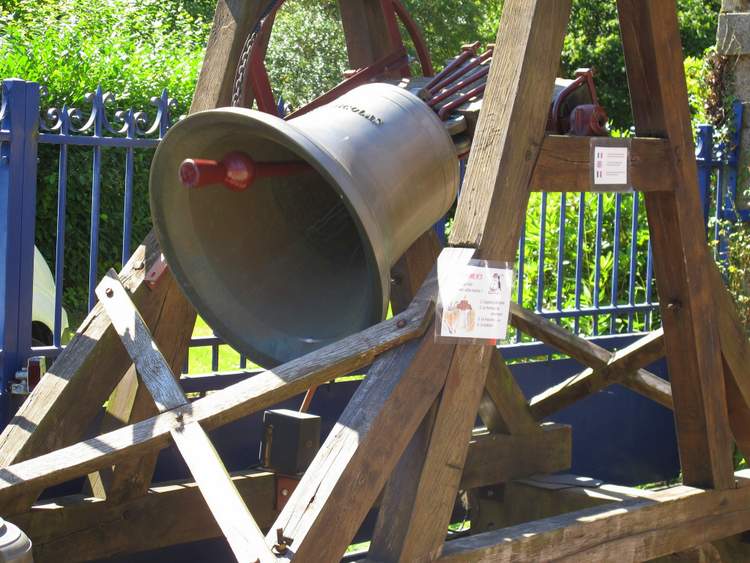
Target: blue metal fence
<point>613,294</point>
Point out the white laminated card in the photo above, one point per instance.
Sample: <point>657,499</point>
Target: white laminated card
<point>474,300</point>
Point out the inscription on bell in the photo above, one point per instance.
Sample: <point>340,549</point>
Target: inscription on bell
<point>359,111</point>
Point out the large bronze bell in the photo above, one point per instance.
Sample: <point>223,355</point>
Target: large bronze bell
<point>281,233</point>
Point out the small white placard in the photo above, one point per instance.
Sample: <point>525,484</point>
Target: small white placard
<point>475,301</point>
<point>610,166</point>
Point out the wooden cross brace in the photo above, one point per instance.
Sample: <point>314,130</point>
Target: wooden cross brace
<point>220,493</point>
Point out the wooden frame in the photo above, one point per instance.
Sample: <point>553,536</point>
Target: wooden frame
<point>409,428</point>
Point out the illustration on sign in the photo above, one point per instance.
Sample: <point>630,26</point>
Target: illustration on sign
<point>475,300</point>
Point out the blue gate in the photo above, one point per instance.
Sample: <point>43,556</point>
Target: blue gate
<point>611,299</point>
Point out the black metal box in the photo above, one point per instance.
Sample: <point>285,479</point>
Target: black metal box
<point>290,440</point>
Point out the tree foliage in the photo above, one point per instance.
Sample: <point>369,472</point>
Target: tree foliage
<point>135,48</point>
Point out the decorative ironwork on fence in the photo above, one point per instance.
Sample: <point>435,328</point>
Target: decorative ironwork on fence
<point>612,294</point>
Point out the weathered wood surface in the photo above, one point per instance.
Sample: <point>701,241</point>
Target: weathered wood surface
<point>366,32</point>
<point>222,407</point>
<point>76,527</point>
<point>81,529</point>
<point>489,216</point>
<point>640,353</point>
<point>503,407</point>
<point>670,521</point>
<point>349,472</point>
<point>131,402</point>
<point>564,165</point>
<point>233,20</point>
<point>136,337</point>
<point>656,77</point>
<point>641,381</point>
<point>61,407</point>
<point>499,458</point>
<point>223,499</point>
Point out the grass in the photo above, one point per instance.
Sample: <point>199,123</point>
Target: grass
<point>199,359</point>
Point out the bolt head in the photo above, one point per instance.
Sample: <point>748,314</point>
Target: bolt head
<point>109,292</point>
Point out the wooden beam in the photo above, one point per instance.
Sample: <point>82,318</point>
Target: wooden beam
<point>503,407</point>
<point>672,520</point>
<point>653,57</point>
<point>564,165</point>
<point>366,31</point>
<point>640,353</point>
<point>499,458</point>
<point>88,528</point>
<point>490,212</point>
<point>136,337</point>
<point>349,472</point>
<point>641,381</point>
<point>131,402</point>
<point>223,499</point>
<point>233,21</point>
<point>80,528</point>
<point>60,409</point>
<point>265,389</point>
<point>519,87</point>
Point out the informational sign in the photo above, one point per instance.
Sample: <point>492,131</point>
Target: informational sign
<point>610,166</point>
<point>474,300</point>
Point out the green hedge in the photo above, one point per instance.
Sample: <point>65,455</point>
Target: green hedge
<point>137,48</point>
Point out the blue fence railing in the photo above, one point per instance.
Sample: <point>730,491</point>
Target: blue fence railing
<point>585,259</point>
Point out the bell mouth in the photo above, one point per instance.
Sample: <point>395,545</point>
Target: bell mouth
<point>277,270</point>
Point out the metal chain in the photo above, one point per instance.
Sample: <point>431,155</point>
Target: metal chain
<point>239,74</point>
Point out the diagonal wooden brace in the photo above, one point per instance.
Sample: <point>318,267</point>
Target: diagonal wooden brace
<point>221,495</point>
<point>621,364</point>
<point>641,381</point>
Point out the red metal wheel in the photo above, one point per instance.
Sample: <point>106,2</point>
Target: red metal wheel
<point>253,85</point>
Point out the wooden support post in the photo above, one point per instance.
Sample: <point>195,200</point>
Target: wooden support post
<point>495,189</point>
<point>233,21</point>
<point>222,497</point>
<point>653,57</point>
<point>347,475</point>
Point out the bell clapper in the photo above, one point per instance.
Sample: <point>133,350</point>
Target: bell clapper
<point>237,171</point>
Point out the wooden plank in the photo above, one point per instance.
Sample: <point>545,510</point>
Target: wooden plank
<point>412,269</point>
<point>519,87</point>
<point>641,381</point>
<point>499,458</point>
<point>653,56</point>
<point>672,520</point>
<point>503,407</point>
<point>365,30</point>
<point>640,353</point>
<point>349,472</point>
<point>233,20</point>
<point>221,407</point>
<point>223,499</point>
<point>490,213</point>
<point>136,337</point>
<point>564,165</point>
<point>61,408</point>
<point>735,350</point>
<point>79,528</point>
<point>172,332</point>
